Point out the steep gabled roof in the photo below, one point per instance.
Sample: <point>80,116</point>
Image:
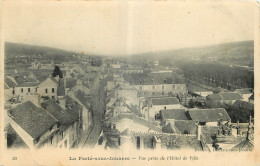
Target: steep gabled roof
<point>209,115</point>
<point>34,120</point>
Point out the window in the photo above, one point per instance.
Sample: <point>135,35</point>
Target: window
<point>138,142</point>
<point>29,90</point>
<point>13,92</point>
<point>114,126</point>
<point>52,90</point>
<point>61,134</point>
<point>46,90</point>
<point>35,89</point>
<point>163,87</point>
<point>21,90</point>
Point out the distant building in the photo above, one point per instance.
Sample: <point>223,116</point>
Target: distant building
<point>219,99</point>
<point>155,104</point>
<point>245,93</point>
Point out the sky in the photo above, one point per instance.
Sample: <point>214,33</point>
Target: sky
<point>126,27</point>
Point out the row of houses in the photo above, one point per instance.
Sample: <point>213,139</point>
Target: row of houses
<point>49,112</point>
<point>140,116</point>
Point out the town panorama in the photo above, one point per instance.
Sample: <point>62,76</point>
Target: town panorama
<point>199,99</point>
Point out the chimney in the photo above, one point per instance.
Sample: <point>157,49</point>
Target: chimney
<point>198,131</point>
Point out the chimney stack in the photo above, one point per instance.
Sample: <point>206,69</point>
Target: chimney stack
<point>198,131</point>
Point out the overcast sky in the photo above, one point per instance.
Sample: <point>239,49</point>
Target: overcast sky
<point>123,28</point>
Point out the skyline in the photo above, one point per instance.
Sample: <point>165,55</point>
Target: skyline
<point>126,28</point>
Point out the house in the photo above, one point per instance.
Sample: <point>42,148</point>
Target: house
<point>170,115</point>
<point>245,93</point>
<point>156,104</point>
<point>219,99</point>
<point>47,88</point>
<point>69,116</point>
<point>33,124</point>
<point>209,117</point>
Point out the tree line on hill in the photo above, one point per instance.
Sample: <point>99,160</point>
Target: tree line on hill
<point>218,75</point>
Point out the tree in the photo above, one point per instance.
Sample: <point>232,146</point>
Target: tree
<point>57,71</point>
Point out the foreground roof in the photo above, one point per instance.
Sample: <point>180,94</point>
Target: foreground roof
<point>34,120</point>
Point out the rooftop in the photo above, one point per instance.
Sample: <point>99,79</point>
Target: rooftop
<point>165,101</point>
<point>176,114</point>
<point>34,120</point>
<point>64,116</point>
<point>209,115</point>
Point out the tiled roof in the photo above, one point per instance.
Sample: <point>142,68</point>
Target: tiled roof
<point>230,96</point>
<point>10,82</point>
<point>70,83</point>
<point>176,114</point>
<point>240,104</point>
<point>243,146</point>
<point>165,101</point>
<point>34,120</point>
<point>13,139</point>
<point>209,115</point>
<point>215,97</point>
<point>29,84</point>
<point>64,116</point>
<point>170,128</point>
<point>85,99</point>
<point>186,126</point>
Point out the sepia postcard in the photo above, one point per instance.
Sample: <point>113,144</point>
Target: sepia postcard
<point>129,82</point>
